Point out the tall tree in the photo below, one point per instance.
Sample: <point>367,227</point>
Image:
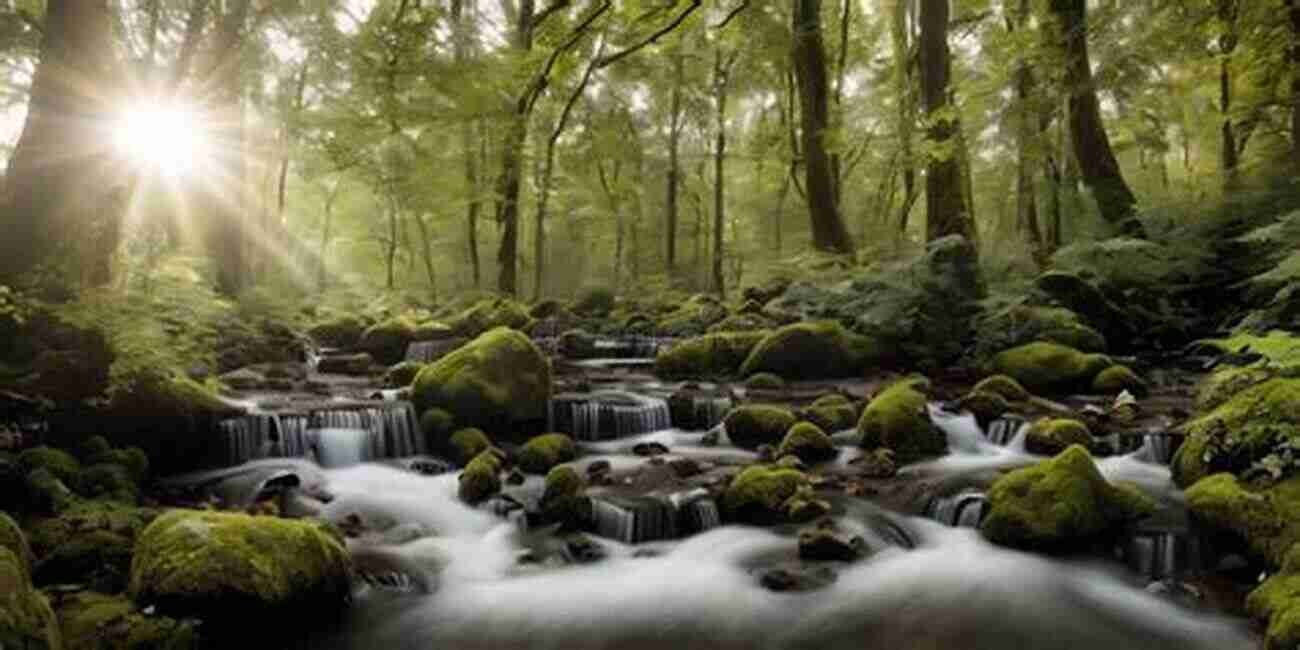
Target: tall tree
<point>58,178</point>
<point>1229,159</point>
<point>904,86</point>
<point>1026,128</point>
<point>463,34</point>
<point>722,65</point>
<point>676,123</point>
<point>224,203</point>
<point>809,55</point>
<point>1293,11</point>
<point>1097,163</point>
<point>946,209</point>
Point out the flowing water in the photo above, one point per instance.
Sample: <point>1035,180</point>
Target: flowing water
<point>608,414</point>
<point>388,429</point>
<point>430,351</point>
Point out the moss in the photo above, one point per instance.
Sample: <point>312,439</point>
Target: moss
<point>468,443</point>
<point>832,417</point>
<point>339,332</point>
<point>898,419</point>
<point>1050,367</point>
<point>159,394</point>
<point>812,351</point>
<point>1117,379</point>
<point>808,442</point>
<point>1277,603</point>
<point>758,494</point>
<point>487,315</point>
<point>1225,383</point>
<point>1022,324</point>
<point>707,356</point>
<point>26,620</point>
<point>91,449</point>
<point>757,424</point>
<point>12,538</point>
<point>480,479</point>
<point>402,374</point>
<point>543,452</point>
<point>765,381</point>
<point>594,301</point>
<point>691,317</point>
<point>1281,349</point>
<point>741,323</point>
<point>1008,388</point>
<point>46,494</point>
<point>833,399</point>
<point>84,517</point>
<point>1267,519</point>
<point>985,405</point>
<point>563,498</point>
<point>432,331</point>
<point>235,571</point>
<point>387,341</point>
<point>108,481</point>
<point>437,425</point>
<point>58,462</point>
<point>93,621</point>
<point>1059,504</point>
<point>1240,431</point>
<point>99,559</point>
<point>1051,436</point>
<point>493,382</point>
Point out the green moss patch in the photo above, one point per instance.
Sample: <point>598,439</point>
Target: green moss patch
<point>712,355</point>
<point>1050,366</point>
<point>813,351</point>
<point>757,424</point>
<point>544,452</point>
<point>493,382</point>
<point>897,419</point>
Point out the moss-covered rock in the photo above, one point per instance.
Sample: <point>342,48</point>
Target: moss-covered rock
<point>238,572</point>
<point>84,518</point>
<point>1051,436</point>
<point>386,342</point>
<point>108,481</point>
<point>808,443</point>
<point>90,450</point>
<point>563,497</point>
<point>338,332</point>
<point>1086,299</point>
<point>465,444</point>
<point>131,459</point>
<point>437,425</point>
<point>594,301</point>
<point>26,620</point>
<point>707,356</point>
<point>163,396</point>
<point>813,350</point>
<point>46,494</point>
<point>493,382</point>
<point>765,381</point>
<point>99,559</point>
<point>432,330</point>
<point>1240,432</point>
<point>898,419</point>
<point>1267,519</point>
<point>1116,379</point>
<point>1280,349</point>
<point>692,317</point>
<point>757,424</point>
<point>741,323</point>
<point>95,621</point>
<point>487,315</point>
<point>1277,603</point>
<point>544,452</point>
<point>1059,504</point>
<point>830,415</point>
<point>1225,383</point>
<point>1020,324</point>
<point>1008,388</point>
<point>759,494</point>
<point>12,538</point>
<point>402,374</point>
<point>58,462</point>
<point>481,478</point>
<point>1050,367</point>
<point>986,406</point>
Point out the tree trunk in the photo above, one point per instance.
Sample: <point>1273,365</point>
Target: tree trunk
<point>674,144</point>
<point>322,272</point>
<point>946,211</point>
<point>470,146</point>
<point>225,205</point>
<point>59,180</point>
<point>905,88</point>
<point>1097,163</point>
<point>809,56</point>
<point>841,66</point>
<point>1228,153</point>
<point>721,74</point>
<point>512,152</point>
<point>609,183</point>
<point>1026,144</point>
<point>426,250</point>
<point>1293,10</point>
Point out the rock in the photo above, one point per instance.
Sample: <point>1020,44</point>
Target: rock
<point>480,479</point>
<point>60,463</point>
<point>741,323</point>
<point>83,519</point>
<point>832,413</point>
<point>815,350</point>
<point>599,467</point>
<point>1059,504</point>
<point>26,620</point>
<point>759,494</point>
<point>516,477</point>
<point>487,315</point>
<point>876,464</point>
<point>766,292</point>
<point>432,331</point>
<point>897,419</point>
<point>594,302</point>
<point>804,508</point>
<point>494,382</point>
<point>822,545</point>
<point>238,573</point>
<point>765,381</point>
<point>95,621</point>
<point>1277,602</point>
<point>753,425</point>
<point>712,355</point>
<point>1260,421</point>
<point>544,452</point>
<point>782,580</point>
<point>1117,379</point>
<point>46,494</point>
<point>582,550</point>
<point>686,467</point>
<point>984,405</point>
<point>1051,436</point>
<point>563,497</point>
<point>1021,324</point>
<point>1267,518</point>
<point>1086,299</point>
<point>244,379</point>
<point>1050,367</point>
<point>339,332</point>
<point>12,538</point>
<point>649,449</point>
<point>807,442</point>
<point>402,374</point>
<point>386,342</point>
<point>710,439</point>
<point>108,481</point>
<point>467,443</point>
<point>346,364</point>
<point>1008,388</point>
<point>437,425</point>
<point>1225,383</point>
<point>99,559</point>
<point>692,317</point>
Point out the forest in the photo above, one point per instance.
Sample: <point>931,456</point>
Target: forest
<point>649,323</point>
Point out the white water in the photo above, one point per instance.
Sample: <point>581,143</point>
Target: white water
<point>953,592</point>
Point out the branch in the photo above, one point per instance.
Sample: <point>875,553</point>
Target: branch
<point>631,49</point>
<point>731,14</point>
<point>539,84</point>
<point>549,11</point>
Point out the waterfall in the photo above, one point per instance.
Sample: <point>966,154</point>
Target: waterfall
<point>606,415</point>
<point>341,447</point>
<point>1004,430</point>
<point>390,429</point>
<point>247,437</point>
<point>430,351</point>
<point>1161,554</point>
<point>710,411</point>
<point>647,519</point>
<point>963,510</point>
<point>1156,448</point>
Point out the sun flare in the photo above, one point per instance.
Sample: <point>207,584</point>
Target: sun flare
<point>161,136</point>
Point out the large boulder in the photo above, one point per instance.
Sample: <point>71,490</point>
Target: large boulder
<point>239,573</point>
<point>692,317</point>
<point>386,342</point>
<point>487,315</point>
<point>26,620</point>
<point>342,331</point>
<point>1277,603</point>
<point>711,355</point>
<point>1086,299</point>
<point>167,415</point>
<point>898,419</point>
<point>1267,518</point>
<point>494,382</point>
<point>757,424</point>
<point>1059,504</point>
<point>1051,436</point>
<point>1045,366</point>
<point>1018,324</point>
<point>1238,435</point>
<point>812,351</point>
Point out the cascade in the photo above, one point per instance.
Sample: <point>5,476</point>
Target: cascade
<point>646,519</point>
<point>1004,430</point>
<point>391,431</point>
<point>606,415</point>
<point>962,510</point>
<point>1156,448</point>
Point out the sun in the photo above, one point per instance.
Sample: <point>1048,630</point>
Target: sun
<point>164,137</point>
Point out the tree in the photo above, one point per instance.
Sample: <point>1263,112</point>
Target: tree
<point>1026,128</point>
<point>60,176</point>
<point>809,56</point>
<point>946,209</point>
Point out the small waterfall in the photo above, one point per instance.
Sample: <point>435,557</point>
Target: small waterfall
<point>1156,448</point>
<point>961,429</point>
<point>430,351</point>
<point>1161,554</point>
<point>1004,430</point>
<point>391,431</point>
<point>341,447</point>
<point>710,411</point>
<point>962,510</point>
<point>247,437</point>
<point>607,415</point>
<point>647,519</point>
